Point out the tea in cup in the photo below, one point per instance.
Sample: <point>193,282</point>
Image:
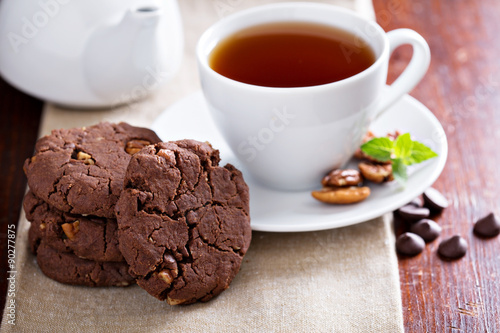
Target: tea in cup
<point>293,87</point>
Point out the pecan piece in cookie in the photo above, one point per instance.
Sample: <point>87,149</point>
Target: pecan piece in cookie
<point>71,229</point>
<point>134,146</point>
<point>80,170</point>
<point>184,223</point>
<point>86,158</point>
<point>87,237</point>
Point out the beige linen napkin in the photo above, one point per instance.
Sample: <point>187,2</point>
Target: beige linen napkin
<point>341,280</point>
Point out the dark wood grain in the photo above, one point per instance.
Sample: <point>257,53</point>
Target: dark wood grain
<point>462,89</point>
<point>19,123</point>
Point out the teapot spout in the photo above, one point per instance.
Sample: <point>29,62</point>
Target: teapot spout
<point>127,60</point>
<point>144,15</point>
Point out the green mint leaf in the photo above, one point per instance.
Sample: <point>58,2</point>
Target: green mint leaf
<point>403,146</point>
<point>401,152</point>
<point>379,149</point>
<point>420,153</point>
<point>399,171</point>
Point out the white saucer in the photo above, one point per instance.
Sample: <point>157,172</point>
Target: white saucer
<point>273,210</point>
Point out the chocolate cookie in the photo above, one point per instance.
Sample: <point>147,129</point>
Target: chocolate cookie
<point>183,221</point>
<point>80,170</point>
<point>87,237</point>
<point>68,268</point>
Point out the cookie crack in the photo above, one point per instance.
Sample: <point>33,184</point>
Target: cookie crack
<point>199,184</point>
<point>214,246</point>
<point>178,216</point>
<point>35,207</point>
<point>211,292</point>
<point>54,191</point>
<point>108,181</point>
<point>151,234</point>
<point>135,258</point>
<point>164,294</point>
<point>99,265</point>
<point>178,191</point>
<point>212,190</point>
<point>238,194</point>
<point>104,236</point>
<point>225,240</point>
<point>155,211</point>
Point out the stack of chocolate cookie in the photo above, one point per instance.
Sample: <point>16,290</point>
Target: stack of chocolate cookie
<point>75,179</point>
<point>111,205</point>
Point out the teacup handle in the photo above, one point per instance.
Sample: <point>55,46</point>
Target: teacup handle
<point>415,70</point>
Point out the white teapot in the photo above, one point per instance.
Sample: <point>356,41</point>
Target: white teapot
<point>89,53</point>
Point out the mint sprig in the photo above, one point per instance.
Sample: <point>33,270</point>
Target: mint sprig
<point>402,152</point>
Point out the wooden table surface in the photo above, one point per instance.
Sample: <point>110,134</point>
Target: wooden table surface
<point>461,88</point>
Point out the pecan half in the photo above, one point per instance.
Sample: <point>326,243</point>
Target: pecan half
<point>134,146</point>
<point>339,177</point>
<point>71,229</point>
<point>377,173</point>
<point>342,195</point>
<point>166,276</point>
<point>86,158</point>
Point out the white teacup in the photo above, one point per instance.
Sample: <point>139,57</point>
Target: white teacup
<point>289,138</point>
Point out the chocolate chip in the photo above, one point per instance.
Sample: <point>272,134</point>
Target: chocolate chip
<point>488,226</point>
<point>410,244</point>
<point>434,200</point>
<point>417,202</point>
<point>427,229</point>
<point>413,213</point>
<point>453,248</point>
